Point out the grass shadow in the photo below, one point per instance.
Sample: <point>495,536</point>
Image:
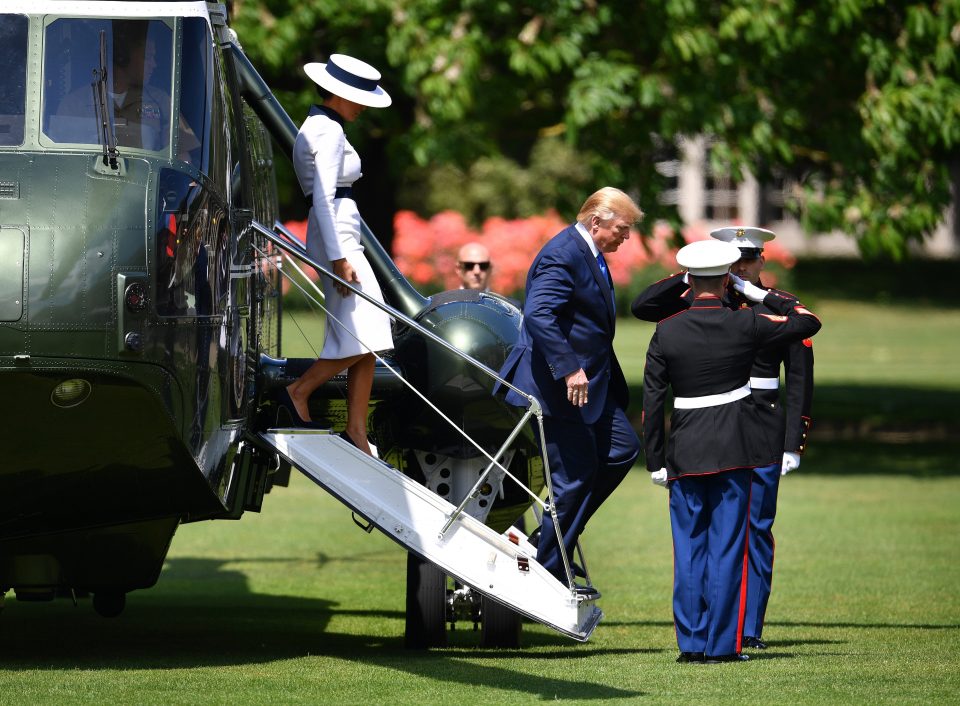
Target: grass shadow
<point>875,430</point>
<point>862,410</point>
<point>878,407</point>
<point>207,616</point>
<point>916,281</point>
<point>852,458</point>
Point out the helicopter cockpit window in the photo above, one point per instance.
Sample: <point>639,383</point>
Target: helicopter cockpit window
<point>195,95</point>
<point>13,77</point>
<point>139,79</point>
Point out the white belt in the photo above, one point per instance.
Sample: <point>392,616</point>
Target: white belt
<point>765,383</point>
<point>711,400</point>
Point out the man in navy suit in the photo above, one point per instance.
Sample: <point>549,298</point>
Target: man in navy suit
<point>565,359</point>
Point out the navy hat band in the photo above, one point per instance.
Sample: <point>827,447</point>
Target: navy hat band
<point>344,76</point>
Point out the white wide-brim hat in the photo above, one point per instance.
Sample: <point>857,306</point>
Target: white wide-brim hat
<point>349,78</point>
<point>708,258</point>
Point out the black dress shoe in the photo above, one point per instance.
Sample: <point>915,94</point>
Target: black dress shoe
<point>534,537</point>
<point>690,657</point>
<point>284,401</point>
<point>346,437</point>
<point>588,592</point>
<point>718,659</point>
<point>578,571</point>
<point>754,642</point>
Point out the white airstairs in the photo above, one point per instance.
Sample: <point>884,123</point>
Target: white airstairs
<point>501,567</point>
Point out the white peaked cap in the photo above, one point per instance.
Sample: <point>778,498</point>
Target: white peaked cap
<point>349,78</point>
<point>707,258</point>
<point>746,237</point>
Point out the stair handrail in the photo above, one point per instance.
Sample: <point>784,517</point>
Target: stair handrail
<point>292,246</point>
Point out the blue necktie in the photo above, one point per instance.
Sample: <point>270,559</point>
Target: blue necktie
<point>603,268</point>
<point>606,273</point>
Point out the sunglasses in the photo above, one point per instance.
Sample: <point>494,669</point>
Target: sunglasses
<point>484,266</point>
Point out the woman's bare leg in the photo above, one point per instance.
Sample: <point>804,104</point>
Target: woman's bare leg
<point>359,385</point>
<point>317,374</point>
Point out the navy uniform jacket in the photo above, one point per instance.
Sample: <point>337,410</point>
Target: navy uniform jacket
<point>784,432</point>
<point>710,349</point>
<point>568,324</point>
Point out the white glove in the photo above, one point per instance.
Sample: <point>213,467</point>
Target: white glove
<point>748,289</point>
<point>791,462</point>
<point>686,278</point>
<point>659,477</point>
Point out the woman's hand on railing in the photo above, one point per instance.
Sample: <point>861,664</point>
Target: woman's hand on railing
<point>344,270</point>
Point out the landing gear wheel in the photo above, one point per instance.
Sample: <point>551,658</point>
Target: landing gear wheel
<point>109,604</point>
<point>500,626</point>
<point>426,605</point>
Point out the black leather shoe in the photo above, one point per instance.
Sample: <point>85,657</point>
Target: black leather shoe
<point>690,658</point>
<point>754,642</point>
<point>534,537</point>
<point>588,592</point>
<point>349,439</point>
<point>284,401</point>
<point>577,570</point>
<point>346,437</point>
<point>718,659</point>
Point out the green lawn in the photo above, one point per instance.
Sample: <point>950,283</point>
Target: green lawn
<point>877,368</point>
<point>297,605</point>
<point>859,343</point>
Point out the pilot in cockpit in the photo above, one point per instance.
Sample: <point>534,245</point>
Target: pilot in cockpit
<point>141,109</point>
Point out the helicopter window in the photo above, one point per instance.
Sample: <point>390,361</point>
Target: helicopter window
<point>218,168</point>
<point>260,151</point>
<point>196,80</point>
<point>13,59</point>
<point>190,246</point>
<point>139,80</point>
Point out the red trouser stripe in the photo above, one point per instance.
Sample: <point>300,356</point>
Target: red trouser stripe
<point>673,578</point>
<point>743,577</point>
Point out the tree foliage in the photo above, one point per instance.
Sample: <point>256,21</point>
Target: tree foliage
<point>858,101</point>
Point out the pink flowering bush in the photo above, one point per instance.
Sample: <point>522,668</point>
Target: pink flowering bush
<point>425,250</point>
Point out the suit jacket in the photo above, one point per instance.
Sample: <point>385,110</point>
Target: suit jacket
<point>568,324</point>
<point>786,428</point>
<point>709,349</point>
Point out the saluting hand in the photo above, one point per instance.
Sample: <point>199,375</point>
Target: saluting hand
<point>748,289</point>
<point>344,270</point>
<point>577,388</point>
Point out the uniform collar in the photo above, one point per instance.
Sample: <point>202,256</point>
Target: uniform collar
<point>706,301</point>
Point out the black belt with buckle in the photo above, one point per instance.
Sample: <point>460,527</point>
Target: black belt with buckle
<point>342,192</point>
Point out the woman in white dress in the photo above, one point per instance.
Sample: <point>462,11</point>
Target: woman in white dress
<point>326,166</point>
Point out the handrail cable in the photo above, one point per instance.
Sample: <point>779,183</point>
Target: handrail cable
<point>291,246</point>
